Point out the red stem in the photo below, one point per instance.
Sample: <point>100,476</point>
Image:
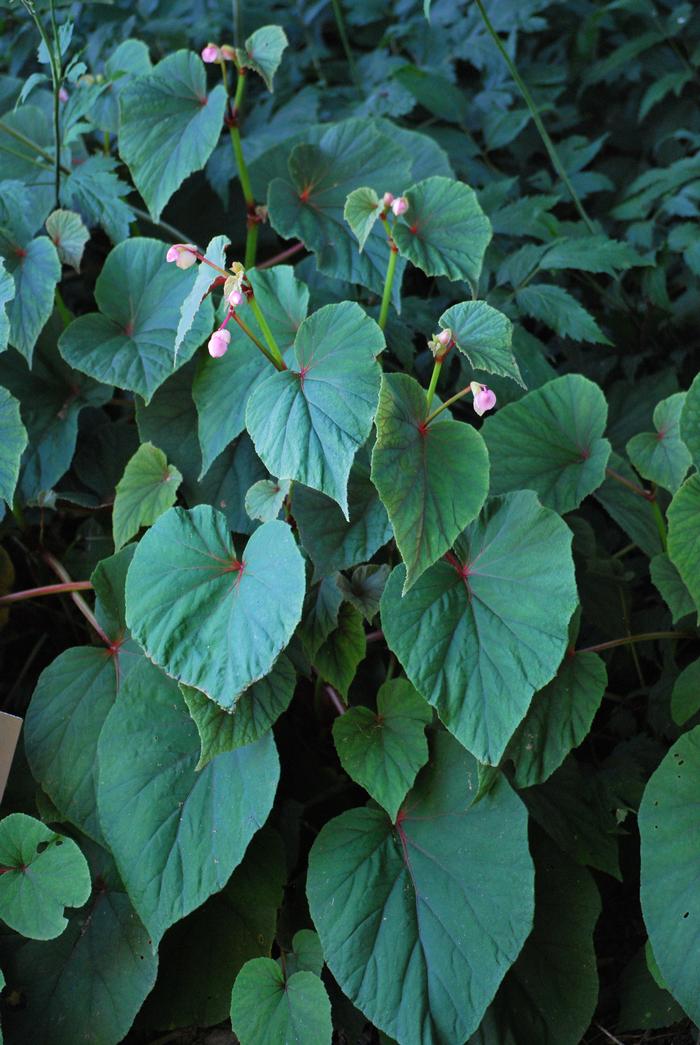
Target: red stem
<point>648,636</point>
<point>46,589</point>
<point>79,601</point>
<point>648,495</point>
<point>335,699</point>
<point>282,256</point>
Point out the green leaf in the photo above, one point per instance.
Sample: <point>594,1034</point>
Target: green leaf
<point>484,335</point>
<point>170,421</point>
<point>661,456</point>
<point>444,232</point>
<point>684,535</point>
<point>395,906</point>
<point>320,617</point>
<point>263,52</point>
<point>364,589</point>
<point>268,1009</point>
<point>432,480</point>
<point>224,485</point>
<point>556,308</point>
<point>69,706</point>
<point>551,442</point>
<point>129,342</point>
<point>68,235</point>
<point>633,514</point>
<point>338,658</point>
<point>361,211</point>
<point>222,386</point>
<point>264,499</point>
<point>146,490</point>
<point>673,591</point>
<point>13,441</point>
<point>309,205</point>
<point>306,954</point>
<point>7,292</point>
<point>670,857</point>
<point>435,93</point>
<point>685,696</point>
<point>383,751</point>
<point>169,126</point>
<point>251,717</point>
<point>332,542</point>
<point>35,269</point>
<point>643,1004</point>
<point>558,719</point>
<point>690,420</point>
<point>176,835</point>
<point>210,619</point>
<point>471,649</point>
<point>308,424</point>
<point>216,252</point>
<point>42,873</point>
<point>594,253</point>
<point>96,193</point>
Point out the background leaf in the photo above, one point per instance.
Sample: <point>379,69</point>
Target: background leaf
<point>147,488</point>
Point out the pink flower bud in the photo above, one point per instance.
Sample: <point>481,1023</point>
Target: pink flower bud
<point>445,337</point>
<point>399,206</point>
<point>387,199</point>
<point>62,94</point>
<point>228,53</point>
<point>211,53</point>
<point>218,343</point>
<point>484,398</point>
<point>235,298</point>
<point>183,254</point>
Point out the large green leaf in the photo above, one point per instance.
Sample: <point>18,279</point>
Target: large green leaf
<point>332,542</point>
<point>685,696</point>
<point>129,342</point>
<point>383,751</point>
<point>684,535</point>
<point>690,420</point>
<point>669,825</point>
<point>309,205</point>
<point>169,126</point>
<point>485,336</point>
<point>473,650</point>
<point>432,480</point>
<point>420,921</point>
<point>308,424</point>
<point>209,619</point>
<point>13,440</point>
<point>35,268</point>
<point>222,386</point>
<point>42,873</point>
<point>7,292</point>
<point>268,1009</point>
<point>551,442</point>
<point>147,488</point>
<point>175,834</point>
<point>444,232</point>
<point>661,456</point>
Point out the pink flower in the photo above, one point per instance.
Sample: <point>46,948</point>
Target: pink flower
<point>235,298</point>
<point>387,199</point>
<point>445,337</point>
<point>399,206</point>
<point>211,53</point>
<point>62,94</point>
<point>484,398</point>
<point>218,343</point>
<point>183,254</point>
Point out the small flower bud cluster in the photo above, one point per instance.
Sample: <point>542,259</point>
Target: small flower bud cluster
<point>397,204</point>
<point>218,53</point>
<point>183,254</point>
<point>484,398</point>
<point>440,344</point>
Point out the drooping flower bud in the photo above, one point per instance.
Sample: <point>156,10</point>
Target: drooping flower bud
<point>211,53</point>
<point>440,344</point>
<point>183,254</point>
<point>235,298</point>
<point>387,199</point>
<point>218,343</point>
<point>484,398</point>
<point>62,94</point>
<point>445,337</point>
<point>228,53</point>
<point>399,206</point>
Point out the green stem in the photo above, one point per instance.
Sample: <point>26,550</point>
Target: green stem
<point>30,144</point>
<point>388,285</point>
<point>268,335</point>
<point>437,367</point>
<point>447,403</point>
<point>62,309</point>
<point>342,32</point>
<point>660,523</point>
<point>534,112</point>
<point>57,75</point>
<point>246,330</point>
<point>649,636</point>
<point>251,242</point>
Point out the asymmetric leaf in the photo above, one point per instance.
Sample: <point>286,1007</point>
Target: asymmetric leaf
<point>432,480</point>
<point>268,1009</point>
<point>308,424</point>
<point>265,498</point>
<point>472,650</point>
<point>661,456</point>
<point>484,335</point>
<point>551,442</point>
<point>35,269</point>
<point>263,52</point>
<point>210,619</point>
<point>129,342</point>
<point>361,211</point>
<point>147,488</point>
<point>420,922</point>
<point>13,440</point>
<point>690,419</point>
<point>69,236</point>
<point>338,658</point>
<point>684,535</point>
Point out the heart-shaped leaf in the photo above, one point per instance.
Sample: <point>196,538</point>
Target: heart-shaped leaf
<point>383,752</point>
<point>146,490</point>
<point>551,442</point>
<point>35,270</point>
<point>662,456</point>
<point>432,479</point>
<point>263,52</point>
<point>338,658</point>
<point>13,440</point>
<point>361,211</point>
<point>68,235</point>
<point>169,126</point>
<point>669,825</point>
<point>129,342</point>
<point>264,499</point>
<point>175,834</point>
<point>420,922</point>
<point>684,535</point>
<point>267,1008</point>
<point>210,619</point>
<point>364,589</point>
<point>473,651</point>
<point>690,419</point>
<point>485,336</point>
<point>444,232</point>
<point>42,873</point>
<point>308,424</point>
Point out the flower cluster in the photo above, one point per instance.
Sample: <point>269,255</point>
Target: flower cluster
<point>218,53</point>
<point>397,204</point>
